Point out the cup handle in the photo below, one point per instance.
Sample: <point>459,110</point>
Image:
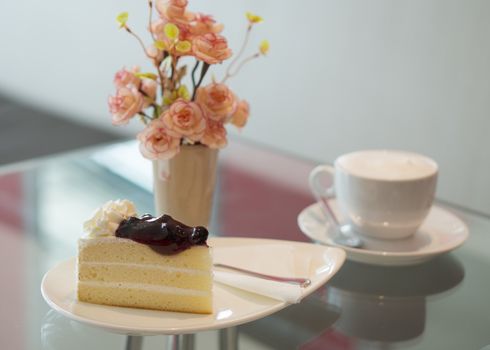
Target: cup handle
<point>316,175</point>
<point>321,193</point>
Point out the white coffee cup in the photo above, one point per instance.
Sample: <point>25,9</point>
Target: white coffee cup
<point>384,194</point>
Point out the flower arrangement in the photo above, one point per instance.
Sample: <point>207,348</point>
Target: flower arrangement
<point>172,114</point>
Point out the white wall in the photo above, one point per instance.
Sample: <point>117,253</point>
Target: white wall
<point>342,74</point>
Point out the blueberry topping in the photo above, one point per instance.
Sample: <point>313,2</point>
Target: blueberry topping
<point>181,232</point>
<point>164,230</point>
<point>163,234</point>
<point>146,217</point>
<point>199,235</point>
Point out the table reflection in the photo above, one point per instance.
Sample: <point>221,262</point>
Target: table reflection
<point>388,304</point>
<point>59,332</point>
<point>294,326</point>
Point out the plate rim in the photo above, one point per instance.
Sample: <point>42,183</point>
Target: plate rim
<point>339,256</point>
<point>384,254</point>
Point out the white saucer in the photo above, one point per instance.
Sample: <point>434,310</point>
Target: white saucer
<point>441,232</point>
<point>232,306</point>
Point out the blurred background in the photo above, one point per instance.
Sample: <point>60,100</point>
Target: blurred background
<point>341,75</point>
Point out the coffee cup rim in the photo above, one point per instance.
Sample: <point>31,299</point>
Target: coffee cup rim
<point>434,164</point>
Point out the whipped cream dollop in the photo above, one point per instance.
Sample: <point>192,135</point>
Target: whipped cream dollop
<point>107,218</point>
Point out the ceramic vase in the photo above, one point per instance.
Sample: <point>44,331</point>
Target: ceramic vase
<point>184,185</point>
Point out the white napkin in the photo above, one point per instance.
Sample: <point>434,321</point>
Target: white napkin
<point>272,259</point>
<point>280,291</point>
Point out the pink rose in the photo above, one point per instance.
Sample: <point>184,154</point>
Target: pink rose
<point>156,143</point>
<point>157,28</point>
<point>214,135</point>
<point>240,117</point>
<point>211,48</point>
<point>217,101</point>
<point>179,3</point>
<point>124,78</point>
<point>126,103</point>
<point>149,88</point>
<point>204,24</point>
<point>175,11</point>
<point>184,118</point>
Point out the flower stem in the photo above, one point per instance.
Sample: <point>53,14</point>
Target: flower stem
<point>160,74</point>
<point>175,60</point>
<point>156,110</point>
<point>192,76</point>
<point>239,54</point>
<point>139,40</point>
<point>143,117</point>
<point>245,61</point>
<point>153,104</point>
<point>162,80</point>
<point>204,69</point>
<point>150,4</point>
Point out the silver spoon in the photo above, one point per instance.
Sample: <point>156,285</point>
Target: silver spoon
<point>302,282</point>
<point>342,233</point>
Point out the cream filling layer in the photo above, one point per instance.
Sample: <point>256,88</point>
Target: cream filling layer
<point>146,266</point>
<point>146,287</point>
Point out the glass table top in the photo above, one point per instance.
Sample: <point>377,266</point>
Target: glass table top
<point>440,304</point>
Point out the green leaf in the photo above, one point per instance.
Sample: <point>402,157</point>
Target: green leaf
<point>157,111</point>
<point>183,92</point>
<point>160,45</point>
<point>183,46</point>
<point>122,18</point>
<point>168,101</point>
<point>171,31</point>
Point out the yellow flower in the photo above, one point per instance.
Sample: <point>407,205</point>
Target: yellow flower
<point>253,18</point>
<point>122,18</point>
<point>264,47</point>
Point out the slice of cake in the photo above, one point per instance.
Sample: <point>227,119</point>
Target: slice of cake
<point>152,263</point>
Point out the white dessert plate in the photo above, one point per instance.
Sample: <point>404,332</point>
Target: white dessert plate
<point>231,306</point>
<point>441,232</point>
